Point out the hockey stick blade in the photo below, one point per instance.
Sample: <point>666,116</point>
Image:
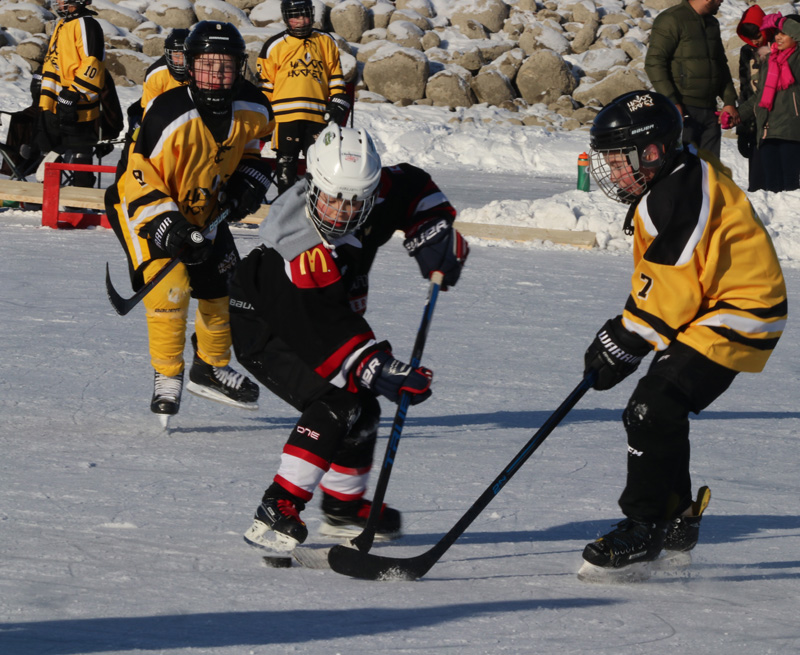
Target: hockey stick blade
<point>367,566</point>
<point>123,305</point>
<point>364,540</point>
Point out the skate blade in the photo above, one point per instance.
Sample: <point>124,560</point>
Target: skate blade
<point>211,394</point>
<point>348,532</point>
<point>594,574</point>
<point>278,545</point>
<point>163,420</point>
<point>672,560</point>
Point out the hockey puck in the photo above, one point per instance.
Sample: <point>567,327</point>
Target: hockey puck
<point>277,562</point>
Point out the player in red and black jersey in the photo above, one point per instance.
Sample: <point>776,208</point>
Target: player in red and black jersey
<point>297,318</point>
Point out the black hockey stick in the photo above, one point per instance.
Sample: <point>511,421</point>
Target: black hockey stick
<point>364,541</point>
<point>352,562</point>
<point>124,305</point>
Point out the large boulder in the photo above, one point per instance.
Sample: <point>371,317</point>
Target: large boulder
<point>25,16</point>
<point>171,13</point>
<point>613,85</point>
<point>222,11</point>
<point>492,87</point>
<point>398,74</point>
<point>451,88</point>
<point>422,7</point>
<point>405,34</point>
<point>350,19</point>
<point>127,67</point>
<point>117,14</point>
<point>491,13</point>
<point>543,77</point>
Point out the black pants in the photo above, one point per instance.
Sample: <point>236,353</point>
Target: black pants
<point>336,425</point>
<point>290,140</point>
<point>75,144</point>
<point>780,164</point>
<point>680,380</point>
<point>701,127</point>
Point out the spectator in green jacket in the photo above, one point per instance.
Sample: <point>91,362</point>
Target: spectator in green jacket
<point>686,62</point>
<point>776,106</point>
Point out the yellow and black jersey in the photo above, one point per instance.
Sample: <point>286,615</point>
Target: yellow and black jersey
<point>157,80</point>
<point>176,164</point>
<point>298,76</point>
<point>74,61</point>
<point>706,272</point>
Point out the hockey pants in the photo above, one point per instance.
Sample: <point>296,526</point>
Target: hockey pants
<point>167,308</point>
<point>656,420</point>
<point>333,442</point>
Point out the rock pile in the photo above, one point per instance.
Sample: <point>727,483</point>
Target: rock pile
<point>570,57</point>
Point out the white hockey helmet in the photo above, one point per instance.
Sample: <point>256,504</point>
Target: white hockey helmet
<point>343,173</point>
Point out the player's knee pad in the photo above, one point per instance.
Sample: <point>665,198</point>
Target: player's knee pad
<point>656,410</point>
<point>325,423</point>
<point>358,445</point>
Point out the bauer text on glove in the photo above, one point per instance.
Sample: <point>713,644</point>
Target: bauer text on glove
<point>438,246</point>
<point>389,377</point>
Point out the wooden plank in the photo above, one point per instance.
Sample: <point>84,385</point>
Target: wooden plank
<point>577,238</point>
<point>93,199</point>
<point>72,196</point>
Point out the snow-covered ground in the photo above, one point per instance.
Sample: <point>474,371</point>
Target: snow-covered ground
<point>118,538</point>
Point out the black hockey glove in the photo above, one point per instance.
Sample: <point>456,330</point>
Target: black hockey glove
<point>177,237</point>
<point>67,108</point>
<point>245,191</point>
<point>438,246</point>
<point>615,353</point>
<point>385,375</point>
<point>337,109</point>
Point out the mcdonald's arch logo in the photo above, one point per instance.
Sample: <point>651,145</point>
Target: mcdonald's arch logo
<point>310,259</point>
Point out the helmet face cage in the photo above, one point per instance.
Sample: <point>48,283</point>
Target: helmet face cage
<point>298,9</point>
<point>344,173</point>
<point>174,54</point>
<point>220,39</point>
<point>634,140</point>
<point>61,7</point>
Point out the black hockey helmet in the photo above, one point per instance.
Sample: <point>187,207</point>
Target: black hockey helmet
<point>173,52</point>
<point>215,38</point>
<point>642,128</point>
<point>297,9</point>
<point>61,7</point>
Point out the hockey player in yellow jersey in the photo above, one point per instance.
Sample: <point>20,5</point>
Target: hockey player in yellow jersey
<point>73,74</point>
<point>708,296</point>
<point>197,154</point>
<point>165,73</point>
<point>301,76</point>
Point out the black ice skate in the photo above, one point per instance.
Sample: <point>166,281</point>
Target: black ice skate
<point>623,553</point>
<point>277,526</point>
<point>684,531</point>
<point>166,400</point>
<point>223,384</point>
<point>347,518</point>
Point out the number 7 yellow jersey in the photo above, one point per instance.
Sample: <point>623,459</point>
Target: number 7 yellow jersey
<point>706,272</point>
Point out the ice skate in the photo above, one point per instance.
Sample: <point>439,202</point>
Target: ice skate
<point>346,519</point>
<point>277,527</point>
<point>683,533</point>
<point>223,384</point>
<point>624,554</point>
<point>166,400</point>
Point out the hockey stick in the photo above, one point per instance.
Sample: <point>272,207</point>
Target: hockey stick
<point>364,541</point>
<point>124,305</point>
<point>352,562</point>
